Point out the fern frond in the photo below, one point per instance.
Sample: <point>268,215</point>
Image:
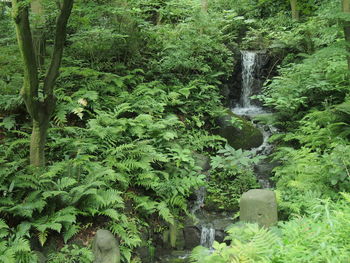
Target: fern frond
<point>70,231</point>
<point>165,213</point>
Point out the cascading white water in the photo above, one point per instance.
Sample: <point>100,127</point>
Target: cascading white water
<point>207,236</point>
<point>251,82</point>
<point>199,202</point>
<point>250,63</point>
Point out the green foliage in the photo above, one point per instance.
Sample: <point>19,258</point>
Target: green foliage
<point>292,93</point>
<point>123,159</point>
<point>14,247</point>
<point>119,148</point>
<point>249,243</point>
<point>310,101</point>
<point>104,43</point>
<point>71,254</point>
<point>139,93</point>
<point>182,58</point>
<point>231,175</point>
<point>320,237</point>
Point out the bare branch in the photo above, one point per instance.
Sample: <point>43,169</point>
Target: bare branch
<point>60,37</point>
<point>25,42</point>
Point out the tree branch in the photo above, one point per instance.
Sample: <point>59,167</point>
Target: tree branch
<point>25,42</point>
<point>60,37</point>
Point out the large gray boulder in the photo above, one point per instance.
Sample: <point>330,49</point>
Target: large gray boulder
<point>105,247</point>
<point>259,206</point>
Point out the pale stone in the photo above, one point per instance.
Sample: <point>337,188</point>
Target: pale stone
<point>259,206</point>
<point>105,247</point>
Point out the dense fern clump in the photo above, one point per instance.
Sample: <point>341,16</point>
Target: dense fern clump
<point>138,98</point>
<point>123,150</point>
<point>135,99</point>
<point>120,148</point>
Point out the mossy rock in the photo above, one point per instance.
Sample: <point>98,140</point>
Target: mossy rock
<point>247,138</point>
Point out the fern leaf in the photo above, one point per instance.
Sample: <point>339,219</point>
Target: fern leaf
<point>164,212</point>
<point>42,236</point>
<point>70,232</point>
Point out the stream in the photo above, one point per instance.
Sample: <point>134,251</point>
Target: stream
<point>210,225</point>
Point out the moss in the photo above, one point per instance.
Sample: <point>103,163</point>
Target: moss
<point>246,138</point>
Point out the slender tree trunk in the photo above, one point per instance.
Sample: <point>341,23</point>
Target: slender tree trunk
<point>40,107</point>
<point>39,40</point>
<point>346,9</point>
<point>204,5</point>
<point>37,143</point>
<point>295,11</point>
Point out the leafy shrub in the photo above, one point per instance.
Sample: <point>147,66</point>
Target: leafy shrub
<point>13,246</point>
<point>71,254</point>
<point>231,175</point>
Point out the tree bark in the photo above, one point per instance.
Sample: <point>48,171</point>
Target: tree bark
<point>40,105</point>
<point>295,11</point>
<point>37,143</point>
<point>204,5</point>
<point>39,39</point>
<point>346,9</point>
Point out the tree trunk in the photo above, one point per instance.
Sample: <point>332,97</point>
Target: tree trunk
<point>40,107</point>
<point>39,40</point>
<point>295,11</point>
<point>346,9</point>
<point>204,5</point>
<point>37,143</point>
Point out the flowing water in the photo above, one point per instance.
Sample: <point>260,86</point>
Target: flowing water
<point>251,85</point>
<point>248,65</point>
<point>251,65</point>
<point>199,202</point>
<point>207,236</point>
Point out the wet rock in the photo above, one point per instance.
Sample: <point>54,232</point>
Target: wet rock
<point>146,253</point>
<point>247,138</point>
<point>259,206</point>
<point>105,247</point>
<point>192,237</point>
<point>263,171</point>
<point>221,223</point>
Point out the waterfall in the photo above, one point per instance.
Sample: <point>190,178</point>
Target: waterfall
<point>207,236</point>
<point>250,65</point>
<point>199,202</point>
